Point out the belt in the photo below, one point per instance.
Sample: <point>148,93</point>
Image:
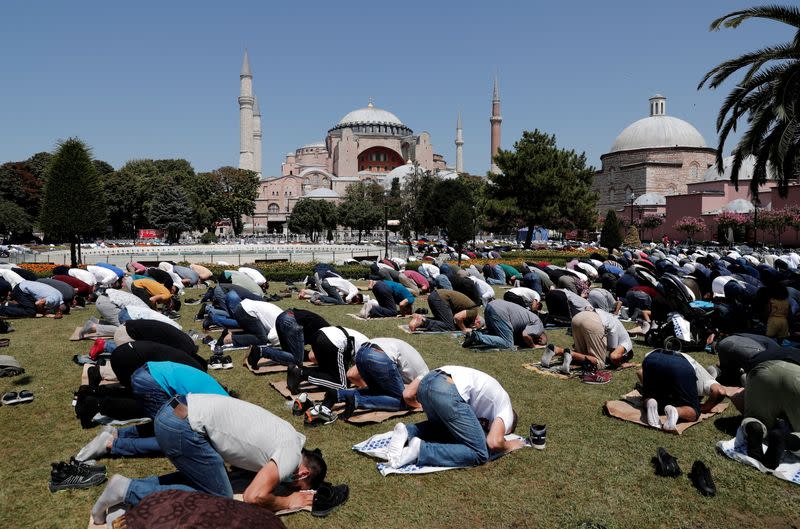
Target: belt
<point>178,403</point>
<point>372,346</point>
<point>445,373</point>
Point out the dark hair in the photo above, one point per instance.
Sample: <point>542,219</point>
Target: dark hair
<point>312,459</point>
<point>176,303</point>
<point>358,299</point>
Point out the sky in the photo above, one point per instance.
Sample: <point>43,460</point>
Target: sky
<point>161,79</point>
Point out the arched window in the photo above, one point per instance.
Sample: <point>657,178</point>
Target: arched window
<point>273,208</point>
<point>611,194</point>
<point>694,170</point>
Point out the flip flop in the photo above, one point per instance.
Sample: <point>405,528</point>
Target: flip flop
<point>4,342</point>
<point>10,398</point>
<point>25,396</point>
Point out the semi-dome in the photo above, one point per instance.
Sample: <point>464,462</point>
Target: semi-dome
<point>650,199</point>
<point>369,115</point>
<point>745,171</point>
<point>658,130</point>
<point>739,205</point>
<point>322,192</point>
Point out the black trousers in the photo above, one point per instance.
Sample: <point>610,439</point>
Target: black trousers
<point>442,315</point>
<point>24,308</point>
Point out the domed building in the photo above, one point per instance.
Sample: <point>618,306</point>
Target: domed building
<point>659,154</point>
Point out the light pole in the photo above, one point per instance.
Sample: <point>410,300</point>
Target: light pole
<point>386,225</point>
<point>632,197</point>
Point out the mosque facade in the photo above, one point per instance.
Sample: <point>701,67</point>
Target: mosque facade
<point>368,144</point>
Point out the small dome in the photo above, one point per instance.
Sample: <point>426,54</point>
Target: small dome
<point>658,131</point>
<point>740,205</point>
<point>745,171</point>
<point>369,114</point>
<point>322,192</point>
<point>650,199</point>
<point>314,146</point>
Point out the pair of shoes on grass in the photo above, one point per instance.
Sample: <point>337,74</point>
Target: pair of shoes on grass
<point>666,465</point>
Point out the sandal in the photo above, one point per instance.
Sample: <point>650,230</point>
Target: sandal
<point>4,342</point>
<point>25,396</point>
<point>12,397</point>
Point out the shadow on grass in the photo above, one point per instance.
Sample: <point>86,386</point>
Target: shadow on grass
<point>728,425</point>
<point>22,381</point>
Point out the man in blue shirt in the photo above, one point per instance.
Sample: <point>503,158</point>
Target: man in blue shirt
<point>153,384</point>
<point>30,298</point>
<point>390,298</point>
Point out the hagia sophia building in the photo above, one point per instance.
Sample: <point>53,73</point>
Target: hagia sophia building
<point>368,144</point>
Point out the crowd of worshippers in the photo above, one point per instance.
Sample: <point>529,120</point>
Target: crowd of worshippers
<point>687,299</point>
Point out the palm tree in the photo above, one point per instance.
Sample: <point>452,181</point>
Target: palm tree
<point>768,97</point>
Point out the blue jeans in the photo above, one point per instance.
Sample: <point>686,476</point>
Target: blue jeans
<point>532,281</point>
<point>452,436</point>
<point>499,332</point>
<point>134,441</point>
<point>385,386</point>
<point>443,282</point>
<point>123,316</point>
<point>290,333</point>
<point>221,317</point>
<point>200,467</point>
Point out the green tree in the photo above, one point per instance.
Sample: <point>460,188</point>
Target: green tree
<point>171,211</point>
<point>72,204</point>
<point>411,211</point>
<point>237,195</point>
<point>767,98</point>
<point>203,190</point>
<point>362,207</point>
<point>611,234</point>
<point>312,217</point>
<point>460,225</point>
<point>543,185</point>
<point>13,219</point>
<point>651,221</point>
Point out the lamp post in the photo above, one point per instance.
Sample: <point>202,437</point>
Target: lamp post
<point>632,197</point>
<point>386,225</point>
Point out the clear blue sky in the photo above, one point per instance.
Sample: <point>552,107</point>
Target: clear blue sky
<point>160,79</point>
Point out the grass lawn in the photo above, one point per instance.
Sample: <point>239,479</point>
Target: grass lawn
<point>595,471</point>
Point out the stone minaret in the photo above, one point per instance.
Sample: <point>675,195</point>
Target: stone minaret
<point>495,120</point>
<point>256,137</point>
<point>246,101</point>
<point>459,147</point>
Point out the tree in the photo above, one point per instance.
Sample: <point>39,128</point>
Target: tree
<point>203,190</point>
<point>13,219</point>
<point>72,203</point>
<point>767,98</point>
<point>690,226</point>
<point>542,185</point>
<point>774,221</point>
<point>632,239</point>
<point>729,223</point>
<point>460,225</point>
<point>362,207</point>
<point>237,195</point>
<point>311,217</point>
<point>411,208</point>
<point>651,221</point>
<point>171,211</point>
<point>611,236</point>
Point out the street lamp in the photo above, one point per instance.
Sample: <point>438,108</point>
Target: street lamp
<point>632,197</point>
<point>386,225</point>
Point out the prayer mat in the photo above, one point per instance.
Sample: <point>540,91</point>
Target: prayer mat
<point>736,449</point>
<point>317,394</point>
<point>575,370</point>
<point>361,318</point>
<point>107,375</point>
<point>631,408</point>
<point>108,421</point>
<point>406,330</point>
<point>76,336</point>
<point>376,447</point>
<point>267,366</point>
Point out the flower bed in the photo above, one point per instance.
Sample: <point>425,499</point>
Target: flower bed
<point>42,269</point>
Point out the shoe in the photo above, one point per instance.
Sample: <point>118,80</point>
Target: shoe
<point>597,377</point>
<point>75,477</point>
<point>319,415</point>
<point>191,301</point>
<point>754,435</point>
<point>254,356</point>
<point>776,444</point>
<point>201,313</point>
<point>217,350</point>
<point>301,404</point>
<point>666,465</point>
<point>215,362</point>
<point>702,480</point>
<point>538,436</point>
<point>469,340</point>
<point>171,314</point>
<point>294,376</point>
<point>227,362</point>
<point>93,374</point>
<point>328,498</point>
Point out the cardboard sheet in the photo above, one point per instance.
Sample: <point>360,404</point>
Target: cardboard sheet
<point>76,336</point>
<point>631,409</point>
<point>107,375</point>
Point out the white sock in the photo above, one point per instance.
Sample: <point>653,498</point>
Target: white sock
<point>96,448</point>
<point>566,363</point>
<point>672,418</point>
<point>645,327</point>
<point>399,438</point>
<point>115,493</point>
<point>652,413</point>
<point>548,355</point>
<point>410,454</point>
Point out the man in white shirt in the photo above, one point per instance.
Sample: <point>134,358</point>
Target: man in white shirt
<point>524,297</point>
<point>84,275</point>
<point>485,289</point>
<point>600,339</point>
<point>102,276</point>
<point>257,320</point>
<point>200,434</point>
<point>255,275</point>
<point>383,368</point>
<point>674,382</point>
<point>468,416</point>
<point>333,290</point>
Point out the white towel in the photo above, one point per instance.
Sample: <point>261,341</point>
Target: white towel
<point>736,449</point>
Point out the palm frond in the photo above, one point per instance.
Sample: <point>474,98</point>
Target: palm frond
<point>787,14</point>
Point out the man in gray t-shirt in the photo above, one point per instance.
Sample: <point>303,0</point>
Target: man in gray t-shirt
<point>601,298</point>
<point>507,324</point>
<point>201,433</point>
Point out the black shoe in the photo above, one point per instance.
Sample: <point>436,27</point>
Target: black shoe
<point>538,436</point>
<point>294,375</point>
<point>754,434</point>
<point>75,477</point>
<point>328,498</point>
<point>254,356</point>
<point>701,479</point>
<point>93,374</point>
<point>331,398</point>
<point>201,313</point>
<point>349,406</point>
<point>666,465</point>
<point>93,467</point>
<point>86,407</point>
<point>776,444</point>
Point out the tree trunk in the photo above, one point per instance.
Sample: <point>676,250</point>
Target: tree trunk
<point>458,249</point>
<point>73,256</point>
<point>359,236</point>
<point>529,237</point>
<point>80,255</point>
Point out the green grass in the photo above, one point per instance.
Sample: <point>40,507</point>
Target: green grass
<point>595,470</point>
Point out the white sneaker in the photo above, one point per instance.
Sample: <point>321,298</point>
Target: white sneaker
<point>652,413</point>
<point>672,418</point>
<point>566,363</point>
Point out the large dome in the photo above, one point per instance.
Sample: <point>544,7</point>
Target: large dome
<point>369,115</point>
<point>658,130</point>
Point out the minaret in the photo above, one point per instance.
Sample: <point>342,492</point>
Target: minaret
<point>246,116</point>
<point>495,120</point>
<point>459,147</point>
<point>256,137</point>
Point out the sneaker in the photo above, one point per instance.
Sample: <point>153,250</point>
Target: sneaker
<point>227,362</point>
<point>538,436</point>
<point>671,423</point>
<point>75,477</point>
<point>201,313</point>
<point>328,498</point>
<point>191,301</point>
<point>301,404</point>
<point>597,377</point>
<point>319,415</point>
<point>469,340</point>
<point>215,362</point>
<point>702,480</point>
<point>666,465</point>
<point>294,376</point>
